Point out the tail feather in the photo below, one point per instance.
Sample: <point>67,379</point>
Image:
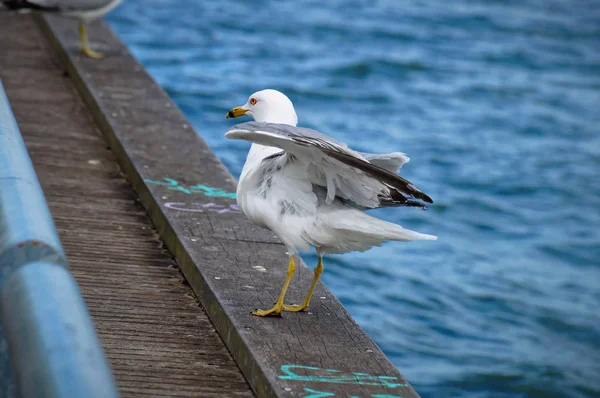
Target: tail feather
<point>377,229</point>
<point>352,230</point>
<point>388,161</point>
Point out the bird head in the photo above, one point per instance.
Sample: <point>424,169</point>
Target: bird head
<point>269,106</point>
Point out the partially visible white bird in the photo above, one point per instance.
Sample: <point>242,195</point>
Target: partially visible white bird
<point>84,10</point>
<point>310,189</point>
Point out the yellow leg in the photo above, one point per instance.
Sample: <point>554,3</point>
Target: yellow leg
<point>85,46</point>
<point>306,302</point>
<point>276,310</point>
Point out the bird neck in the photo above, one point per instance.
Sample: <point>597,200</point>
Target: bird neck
<point>277,116</point>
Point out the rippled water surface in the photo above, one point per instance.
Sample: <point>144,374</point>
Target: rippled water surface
<point>497,102</point>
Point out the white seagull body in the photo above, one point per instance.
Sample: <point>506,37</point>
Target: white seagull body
<point>310,189</point>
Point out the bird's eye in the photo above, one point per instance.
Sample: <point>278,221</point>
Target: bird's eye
<point>253,101</point>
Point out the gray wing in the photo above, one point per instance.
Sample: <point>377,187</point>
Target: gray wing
<point>56,5</point>
<point>334,165</point>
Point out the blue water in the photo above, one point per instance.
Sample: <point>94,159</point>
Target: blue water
<point>497,102</point>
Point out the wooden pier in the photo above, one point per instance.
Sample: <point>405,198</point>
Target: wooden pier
<point>157,339</point>
<point>168,266</point>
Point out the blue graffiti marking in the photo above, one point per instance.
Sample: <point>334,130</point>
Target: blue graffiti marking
<point>198,188</point>
<point>317,394</point>
<point>355,378</point>
<point>325,394</point>
<point>385,396</point>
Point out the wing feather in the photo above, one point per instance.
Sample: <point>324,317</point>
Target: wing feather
<point>343,171</point>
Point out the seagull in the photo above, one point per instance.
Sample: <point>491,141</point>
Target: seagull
<point>310,189</point>
<point>83,10</point>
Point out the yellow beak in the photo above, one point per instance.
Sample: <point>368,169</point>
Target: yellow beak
<point>236,112</point>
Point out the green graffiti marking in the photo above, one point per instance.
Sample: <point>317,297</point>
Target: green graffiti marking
<point>198,188</point>
<point>324,377</point>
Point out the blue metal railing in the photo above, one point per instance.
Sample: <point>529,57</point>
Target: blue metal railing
<point>46,333</point>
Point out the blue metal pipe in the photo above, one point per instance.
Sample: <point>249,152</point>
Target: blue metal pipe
<point>49,337</point>
<point>27,231</point>
<point>53,348</point>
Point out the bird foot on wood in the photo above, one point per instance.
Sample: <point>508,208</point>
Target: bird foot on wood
<point>275,311</point>
<point>295,308</point>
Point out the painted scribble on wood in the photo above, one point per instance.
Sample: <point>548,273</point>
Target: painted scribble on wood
<point>205,190</point>
<point>320,375</point>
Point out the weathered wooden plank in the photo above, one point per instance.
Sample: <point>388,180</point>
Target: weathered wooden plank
<point>232,265</point>
<point>153,331</point>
